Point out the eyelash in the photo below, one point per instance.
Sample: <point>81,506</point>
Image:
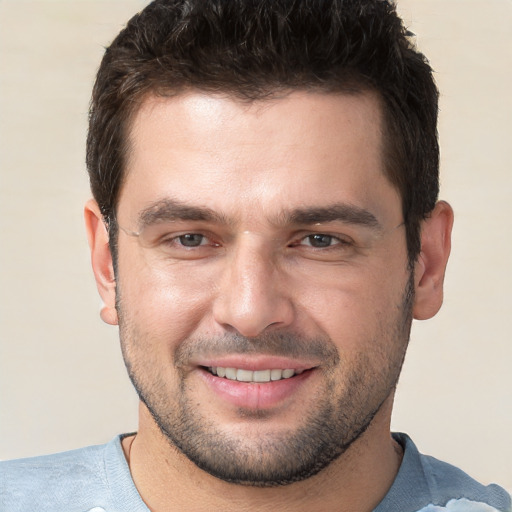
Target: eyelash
<point>339,242</point>
<point>342,242</point>
<point>175,240</point>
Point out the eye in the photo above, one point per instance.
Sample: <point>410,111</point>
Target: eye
<point>191,240</point>
<point>320,240</point>
<point>186,246</point>
<point>324,246</point>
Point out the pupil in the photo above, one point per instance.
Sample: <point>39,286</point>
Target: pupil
<point>320,240</point>
<point>191,240</point>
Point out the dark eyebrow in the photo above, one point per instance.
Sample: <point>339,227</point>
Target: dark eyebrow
<point>167,209</point>
<point>347,213</point>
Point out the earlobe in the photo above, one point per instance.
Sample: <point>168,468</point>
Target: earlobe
<point>101,260</point>
<point>431,264</point>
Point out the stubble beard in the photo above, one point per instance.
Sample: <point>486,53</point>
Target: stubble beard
<point>279,458</point>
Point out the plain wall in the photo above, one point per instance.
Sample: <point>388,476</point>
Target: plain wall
<point>62,380</point>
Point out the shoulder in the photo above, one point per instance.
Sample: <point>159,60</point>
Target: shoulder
<point>446,481</point>
<point>426,484</point>
<point>50,480</point>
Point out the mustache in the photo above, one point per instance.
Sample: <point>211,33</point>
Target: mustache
<point>293,345</point>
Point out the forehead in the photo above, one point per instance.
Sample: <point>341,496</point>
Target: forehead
<point>266,156</point>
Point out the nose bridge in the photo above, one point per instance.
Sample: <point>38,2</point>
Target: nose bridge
<point>251,296</point>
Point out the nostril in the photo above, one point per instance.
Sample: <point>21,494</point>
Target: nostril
<point>252,305</point>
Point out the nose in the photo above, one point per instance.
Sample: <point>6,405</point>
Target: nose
<point>252,296</point>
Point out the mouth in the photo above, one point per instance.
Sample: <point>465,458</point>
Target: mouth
<point>256,385</point>
<point>257,376</point>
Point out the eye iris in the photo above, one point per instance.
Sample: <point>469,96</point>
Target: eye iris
<point>191,240</point>
<point>320,240</point>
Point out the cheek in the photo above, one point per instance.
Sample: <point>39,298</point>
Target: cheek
<point>168,302</point>
<point>357,309</point>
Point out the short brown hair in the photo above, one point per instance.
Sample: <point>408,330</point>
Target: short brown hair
<point>255,48</point>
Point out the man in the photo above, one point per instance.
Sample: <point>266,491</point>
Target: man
<point>264,228</point>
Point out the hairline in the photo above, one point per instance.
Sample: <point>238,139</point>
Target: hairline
<point>268,94</point>
<point>354,86</point>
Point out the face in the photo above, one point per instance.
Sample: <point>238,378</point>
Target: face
<point>263,291</point>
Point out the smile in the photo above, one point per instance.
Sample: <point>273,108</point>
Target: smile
<point>259,376</point>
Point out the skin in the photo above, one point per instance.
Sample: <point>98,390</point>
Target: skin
<point>263,170</point>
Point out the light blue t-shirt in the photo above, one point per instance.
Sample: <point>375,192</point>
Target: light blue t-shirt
<point>97,479</point>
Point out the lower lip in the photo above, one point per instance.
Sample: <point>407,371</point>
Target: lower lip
<point>253,395</point>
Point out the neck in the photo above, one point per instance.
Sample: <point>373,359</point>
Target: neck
<point>358,480</point>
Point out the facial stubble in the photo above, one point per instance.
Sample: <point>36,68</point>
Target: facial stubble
<point>330,426</point>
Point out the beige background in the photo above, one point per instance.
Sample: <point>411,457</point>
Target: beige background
<point>62,380</point>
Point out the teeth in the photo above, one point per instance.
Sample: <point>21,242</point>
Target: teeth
<point>261,376</point>
<point>253,376</point>
<point>230,373</point>
<point>244,375</point>
<point>276,374</point>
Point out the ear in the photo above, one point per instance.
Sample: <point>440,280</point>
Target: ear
<point>431,264</point>
<point>101,259</point>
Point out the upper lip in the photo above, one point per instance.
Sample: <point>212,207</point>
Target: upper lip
<point>256,363</point>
